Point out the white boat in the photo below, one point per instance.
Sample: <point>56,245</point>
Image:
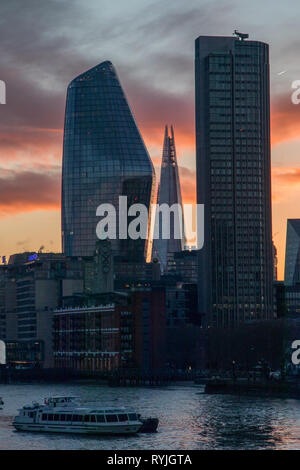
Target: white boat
<point>66,415</point>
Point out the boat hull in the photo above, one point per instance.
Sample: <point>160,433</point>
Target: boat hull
<point>77,429</point>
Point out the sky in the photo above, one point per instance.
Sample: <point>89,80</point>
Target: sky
<point>44,44</point>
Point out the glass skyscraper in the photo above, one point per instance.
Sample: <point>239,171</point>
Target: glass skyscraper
<point>104,157</point>
<point>169,193</point>
<point>234,179</point>
<point>292,253</point>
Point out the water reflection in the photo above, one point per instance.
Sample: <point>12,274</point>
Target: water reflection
<point>189,419</point>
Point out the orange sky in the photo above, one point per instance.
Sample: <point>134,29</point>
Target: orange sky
<point>30,216</point>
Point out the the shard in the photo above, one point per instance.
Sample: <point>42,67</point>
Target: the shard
<point>169,193</point>
<point>104,157</point>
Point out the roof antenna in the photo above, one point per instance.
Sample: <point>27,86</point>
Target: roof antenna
<point>241,36</point>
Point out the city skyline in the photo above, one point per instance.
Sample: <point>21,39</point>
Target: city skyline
<point>31,129</point>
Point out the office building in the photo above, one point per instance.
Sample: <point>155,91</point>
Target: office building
<point>104,157</point>
<point>234,179</point>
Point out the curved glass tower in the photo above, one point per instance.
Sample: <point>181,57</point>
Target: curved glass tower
<point>104,157</point>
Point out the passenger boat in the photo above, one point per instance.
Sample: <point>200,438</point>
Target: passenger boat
<point>66,415</point>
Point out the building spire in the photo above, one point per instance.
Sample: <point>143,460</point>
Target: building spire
<point>169,193</point>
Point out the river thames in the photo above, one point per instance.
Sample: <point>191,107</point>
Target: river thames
<point>189,419</point>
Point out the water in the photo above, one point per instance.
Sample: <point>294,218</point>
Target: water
<point>189,419</point>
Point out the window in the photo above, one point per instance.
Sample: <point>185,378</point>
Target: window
<point>86,419</point>
<point>50,417</point>
<point>123,418</point>
<point>132,417</point>
<point>44,417</point>
<point>56,418</point>
<point>111,418</point>
<point>93,418</point>
<point>100,419</point>
<point>62,417</point>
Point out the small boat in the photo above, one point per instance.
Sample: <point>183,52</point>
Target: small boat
<point>66,415</point>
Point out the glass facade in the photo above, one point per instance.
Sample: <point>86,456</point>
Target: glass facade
<point>292,253</point>
<point>233,179</point>
<point>169,193</point>
<point>104,157</point>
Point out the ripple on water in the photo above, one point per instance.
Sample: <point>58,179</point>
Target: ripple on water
<point>189,419</point>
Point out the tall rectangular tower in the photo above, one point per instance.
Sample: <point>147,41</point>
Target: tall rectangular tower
<point>234,179</point>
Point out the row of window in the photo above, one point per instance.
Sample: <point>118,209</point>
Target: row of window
<point>108,418</point>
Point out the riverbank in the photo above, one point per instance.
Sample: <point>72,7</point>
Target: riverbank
<point>278,389</point>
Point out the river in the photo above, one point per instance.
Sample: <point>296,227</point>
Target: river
<point>189,419</point>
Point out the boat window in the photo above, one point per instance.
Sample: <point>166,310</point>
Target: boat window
<point>62,417</point>
<point>100,419</point>
<point>86,419</point>
<point>50,417</point>
<point>111,418</point>
<point>75,418</point>
<point>123,417</point>
<point>93,418</point>
<point>56,418</point>
<point>30,415</point>
<point>132,417</point>
<point>44,417</point>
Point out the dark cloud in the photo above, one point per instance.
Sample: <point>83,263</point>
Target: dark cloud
<point>45,44</point>
<point>26,191</point>
<point>153,108</point>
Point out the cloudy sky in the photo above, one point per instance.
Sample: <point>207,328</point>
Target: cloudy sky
<point>46,43</point>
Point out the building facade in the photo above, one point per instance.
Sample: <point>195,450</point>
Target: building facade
<point>87,338</point>
<point>184,265</point>
<point>104,157</point>
<point>126,334</point>
<point>292,253</point>
<point>234,179</point>
<point>33,285</point>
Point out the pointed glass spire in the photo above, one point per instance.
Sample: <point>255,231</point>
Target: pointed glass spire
<point>169,192</point>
